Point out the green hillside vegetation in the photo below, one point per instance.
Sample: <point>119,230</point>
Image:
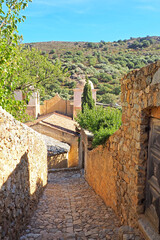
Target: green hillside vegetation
<point>104,63</point>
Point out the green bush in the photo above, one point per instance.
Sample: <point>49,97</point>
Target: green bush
<point>102,135</point>
<point>102,122</point>
<point>109,98</point>
<point>43,52</point>
<point>52,51</point>
<point>116,90</point>
<point>54,56</point>
<point>94,80</point>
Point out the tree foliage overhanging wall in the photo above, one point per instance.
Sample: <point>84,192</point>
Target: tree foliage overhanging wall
<point>22,68</point>
<point>9,40</point>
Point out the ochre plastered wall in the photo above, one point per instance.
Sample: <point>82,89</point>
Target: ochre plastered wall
<point>117,170</point>
<point>57,104</point>
<point>64,136</point>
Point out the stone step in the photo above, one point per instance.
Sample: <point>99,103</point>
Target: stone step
<point>147,229</point>
<point>64,169</point>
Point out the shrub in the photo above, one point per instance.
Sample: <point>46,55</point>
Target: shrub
<point>94,80</point>
<point>79,53</point>
<point>43,52</point>
<point>52,51</point>
<point>102,122</point>
<point>116,90</point>
<point>109,98</point>
<point>68,53</point>
<point>54,56</point>
<point>105,49</point>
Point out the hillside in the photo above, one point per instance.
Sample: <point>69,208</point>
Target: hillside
<point>104,63</point>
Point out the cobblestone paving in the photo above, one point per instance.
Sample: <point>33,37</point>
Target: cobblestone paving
<point>70,209</point>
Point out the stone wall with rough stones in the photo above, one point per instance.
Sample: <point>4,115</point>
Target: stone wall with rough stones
<point>57,153</point>
<point>117,170</point>
<point>57,161</point>
<point>23,174</point>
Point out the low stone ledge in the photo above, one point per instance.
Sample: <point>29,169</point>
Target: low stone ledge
<point>57,153</point>
<point>128,233</point>
<point>147,229</point>
<point>54,146</point>
<point>64,170</point>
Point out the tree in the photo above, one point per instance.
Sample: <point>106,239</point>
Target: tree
<point>146,43</point>
<point>21,67</point>
<point>87,99</point>
<point>37,71</point>
<point>9,40</point>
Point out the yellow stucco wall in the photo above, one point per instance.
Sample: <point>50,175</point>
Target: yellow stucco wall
<point>57,104</point>
<point>71,139</point>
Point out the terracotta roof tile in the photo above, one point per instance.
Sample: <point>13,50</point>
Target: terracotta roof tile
<point>62,121</point>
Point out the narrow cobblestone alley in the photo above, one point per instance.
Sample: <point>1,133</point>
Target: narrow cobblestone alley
<point>70,209</point>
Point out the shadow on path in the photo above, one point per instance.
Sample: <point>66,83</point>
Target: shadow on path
<point>70,209</point>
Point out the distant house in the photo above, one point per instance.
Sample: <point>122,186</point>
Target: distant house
<point>56,104</point>
<point>62,128</point>
<point>33,106</point>
<point>78,96</point>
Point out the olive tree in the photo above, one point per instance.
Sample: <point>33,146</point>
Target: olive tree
<point>10,16</point>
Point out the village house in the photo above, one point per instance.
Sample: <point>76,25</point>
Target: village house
<point>55,119</point>
<point>124,171</point>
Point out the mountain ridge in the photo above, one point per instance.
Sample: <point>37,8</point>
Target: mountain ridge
<point>104,62</point>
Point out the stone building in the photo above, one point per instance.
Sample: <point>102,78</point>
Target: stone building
<point>62,128</point>
<point>33,106</point>
<point>55,104</point>
<point>125,171</point>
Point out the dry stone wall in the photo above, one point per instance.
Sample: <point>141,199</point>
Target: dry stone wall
<point>57,153</point>
<point>56,161</point>
<point>117,170</point>
<point>23,174</point>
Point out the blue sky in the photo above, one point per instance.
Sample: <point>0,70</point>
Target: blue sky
<point>90,20</point>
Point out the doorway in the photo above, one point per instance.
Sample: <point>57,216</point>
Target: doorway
<point>152,206</point>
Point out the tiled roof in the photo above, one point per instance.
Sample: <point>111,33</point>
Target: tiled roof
<point>56,120</point>
<point>61,121</point>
